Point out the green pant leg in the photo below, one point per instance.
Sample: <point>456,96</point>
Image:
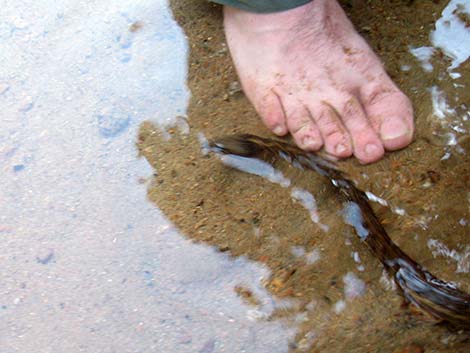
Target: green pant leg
<point>263,6</point>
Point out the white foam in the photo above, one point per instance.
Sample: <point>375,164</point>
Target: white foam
<point>424,55</point>
<point>462,258</point>
<point>440,107</point>
<point>339,306</point>
<point>353,286</point>
<point>307,200</point>
<point>256,167</point>
<point>375,198</point>
<point>313,256</point>
<point>451,34</point>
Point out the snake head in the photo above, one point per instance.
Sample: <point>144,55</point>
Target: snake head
<point>240,145</point>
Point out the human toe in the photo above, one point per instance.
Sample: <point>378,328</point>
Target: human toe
<point>395,133</point>
<point>334,134</point>
<point>307,136</point>
<point>271,111</point>
<point>390,113</point>
<point>367,146</point>
<point>301,126</point>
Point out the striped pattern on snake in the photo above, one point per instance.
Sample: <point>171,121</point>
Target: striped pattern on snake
<point>439,298</point>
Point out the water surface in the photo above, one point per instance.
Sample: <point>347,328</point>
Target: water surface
<point>87,263</point>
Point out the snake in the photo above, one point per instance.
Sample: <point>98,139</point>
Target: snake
<point>443,300</point>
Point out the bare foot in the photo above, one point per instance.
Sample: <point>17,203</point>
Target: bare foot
<point>308,72</point>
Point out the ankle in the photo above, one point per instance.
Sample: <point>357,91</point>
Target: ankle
<point>277,21</point>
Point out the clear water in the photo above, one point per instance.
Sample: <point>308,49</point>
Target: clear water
<point>87,264</point>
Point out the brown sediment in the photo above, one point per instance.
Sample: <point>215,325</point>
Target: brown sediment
<point>439,298</point>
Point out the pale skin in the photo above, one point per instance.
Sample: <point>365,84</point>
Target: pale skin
<point>309,73</point>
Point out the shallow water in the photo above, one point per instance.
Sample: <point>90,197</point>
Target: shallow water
<point>89,264</point>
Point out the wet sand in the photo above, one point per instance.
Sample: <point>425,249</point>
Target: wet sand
<point>247,216</point>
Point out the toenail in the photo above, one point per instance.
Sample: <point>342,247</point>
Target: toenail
<point>309,142</point>
<point>371,149</point>
<point>392,129</point>
<point>340,148</point>
<point>278,130</point>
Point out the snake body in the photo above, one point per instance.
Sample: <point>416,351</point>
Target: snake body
<point>439,298</point>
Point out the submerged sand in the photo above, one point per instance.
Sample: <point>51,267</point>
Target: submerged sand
<point>311,265</point>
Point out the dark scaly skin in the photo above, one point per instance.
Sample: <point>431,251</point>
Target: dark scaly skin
<point>440,299</point>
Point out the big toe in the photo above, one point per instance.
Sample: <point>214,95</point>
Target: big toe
<point>390,113</point>
<point>395,133</point>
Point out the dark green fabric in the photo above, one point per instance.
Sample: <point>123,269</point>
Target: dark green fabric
<point>263,6</point>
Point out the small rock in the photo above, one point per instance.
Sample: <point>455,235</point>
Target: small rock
<point>208,347</point>
<point>234,88</point>
<point>112,125</point>
<point>18,168</point>
<point>45,256</point>
<point>3,88</point>
<point>137,25</point>
<point>26,104</point>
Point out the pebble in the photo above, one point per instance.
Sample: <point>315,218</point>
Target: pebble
<point>45,256</point>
